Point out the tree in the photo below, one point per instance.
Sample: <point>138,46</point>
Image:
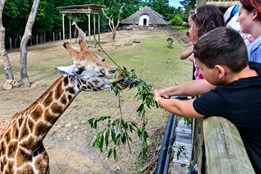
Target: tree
<point>112,26</point>
<point>7,64</point>
<point>24,41</point>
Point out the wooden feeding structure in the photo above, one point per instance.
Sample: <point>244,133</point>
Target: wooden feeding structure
<point>88,9</point>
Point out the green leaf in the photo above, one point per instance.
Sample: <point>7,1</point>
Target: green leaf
<point>113,135</point>
<point>107,135</point>
<point>123,138</point>
<point>109,153</point>
<point>115,154</point>
<point>101,142</point>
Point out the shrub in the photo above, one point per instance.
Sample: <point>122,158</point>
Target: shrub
<point>176,20</point>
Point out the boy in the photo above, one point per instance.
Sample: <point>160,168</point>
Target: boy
<point>222,58</point>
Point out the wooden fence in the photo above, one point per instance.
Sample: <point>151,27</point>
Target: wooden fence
<point>221,149</point>
<point>34,40</point>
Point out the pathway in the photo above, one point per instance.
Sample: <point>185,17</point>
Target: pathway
<point>183,140</point>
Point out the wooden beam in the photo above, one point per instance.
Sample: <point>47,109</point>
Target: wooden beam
<point>224,149</point>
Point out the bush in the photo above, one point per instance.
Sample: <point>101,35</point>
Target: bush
<point>177,21</point>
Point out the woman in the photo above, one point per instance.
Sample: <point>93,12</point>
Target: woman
<point>250,22</point>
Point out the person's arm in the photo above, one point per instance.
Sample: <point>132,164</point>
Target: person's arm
<point>185,54</point>
<point>190,88</point>
<point>177,107</point>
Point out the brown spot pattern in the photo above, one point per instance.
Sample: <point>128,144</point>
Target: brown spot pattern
<point>10,167</point>
<point>29,144</point>
<point>63,99</point>
<point>11,149</point>
<point>66,81</point>
<point>41,129</point>
<point>23,131</point>
<point>96,82</point>
<point>49,118</point>
<point>41,164</point>
<point>70,90</point>
<point>22,157</point>
<point>15,131</point>
<point>2,148</point>
<point>7,136</point>
<point>58,91</point>
<point>37,113</point>
<point>48,100</point>
<point>30,124</point>
<point>56,108</point>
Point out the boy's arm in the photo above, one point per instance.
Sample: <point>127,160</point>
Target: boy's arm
<point>190,88</point>
<point>177,107</point>
<point>185,54</point>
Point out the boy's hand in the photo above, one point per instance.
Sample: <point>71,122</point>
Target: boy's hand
<point>156,95</point>
<point>162,93</point>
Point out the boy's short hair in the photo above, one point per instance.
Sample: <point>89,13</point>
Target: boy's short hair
<point>222,46</point>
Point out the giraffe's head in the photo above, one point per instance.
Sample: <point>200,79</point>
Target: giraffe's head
<point>88,69</point>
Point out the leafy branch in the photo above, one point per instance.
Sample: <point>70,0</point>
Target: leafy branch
<point>117,131</point>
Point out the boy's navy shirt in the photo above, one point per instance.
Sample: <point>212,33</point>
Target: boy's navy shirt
<point>239,102</point>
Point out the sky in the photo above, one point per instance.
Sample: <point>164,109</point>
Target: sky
<point>174,3</point>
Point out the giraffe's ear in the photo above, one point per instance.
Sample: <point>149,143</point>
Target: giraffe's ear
<point>66,70</point>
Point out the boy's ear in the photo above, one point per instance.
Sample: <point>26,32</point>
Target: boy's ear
<point>221,71</point>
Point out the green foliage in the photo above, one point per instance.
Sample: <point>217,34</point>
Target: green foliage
<point>187,121</point>
<point>176,21</point>
<point>125,128</point>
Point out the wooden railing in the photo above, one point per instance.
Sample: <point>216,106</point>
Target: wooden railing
<point>221,149</point>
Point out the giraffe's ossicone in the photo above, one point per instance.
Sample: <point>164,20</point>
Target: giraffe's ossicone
<point>21,138</point>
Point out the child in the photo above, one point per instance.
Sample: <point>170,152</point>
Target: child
<point>250,22</point>
<point>221,55</point>
<point>202,20</point>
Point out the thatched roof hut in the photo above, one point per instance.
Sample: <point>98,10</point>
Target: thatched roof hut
<point>145,17</point>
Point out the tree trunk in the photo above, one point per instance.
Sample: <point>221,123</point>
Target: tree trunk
<point>113,34</point>
<point>3,53</point>
<point>24,41</point>
<point>111,23</point>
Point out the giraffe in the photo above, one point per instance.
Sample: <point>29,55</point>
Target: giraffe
<point>134,26</point>
<point>21,139</point>
<point>81,34</point>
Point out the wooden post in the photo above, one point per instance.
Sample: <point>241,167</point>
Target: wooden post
<point>89,28</point>
<point>70,27</point>
<point>63,27</point>
<point>36,39</point>
<point>224,149</point>
<point>94,30</point>
<point>10,41</point>
<point>99,28</point>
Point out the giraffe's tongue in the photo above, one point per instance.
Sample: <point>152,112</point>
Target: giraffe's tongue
<point>129,82</point>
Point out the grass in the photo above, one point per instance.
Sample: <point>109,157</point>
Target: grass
<point>184,29</point>
<point>155,62</point>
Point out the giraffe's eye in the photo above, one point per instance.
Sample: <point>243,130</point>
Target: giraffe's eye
<point>80,70</point>
<point>102,71</point>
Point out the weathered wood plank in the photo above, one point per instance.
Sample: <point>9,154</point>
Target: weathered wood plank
<point>225,151</point>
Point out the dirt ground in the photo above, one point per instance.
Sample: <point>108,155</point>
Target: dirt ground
<point>69,143</point>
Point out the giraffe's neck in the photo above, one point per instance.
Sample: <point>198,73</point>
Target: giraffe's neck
<point>35,121</point>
